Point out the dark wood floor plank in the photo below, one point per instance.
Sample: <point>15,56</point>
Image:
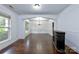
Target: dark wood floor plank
<point>33,44</point>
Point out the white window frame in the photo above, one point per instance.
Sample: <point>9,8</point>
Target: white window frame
<point>26,20</point>
<point>9,29</point>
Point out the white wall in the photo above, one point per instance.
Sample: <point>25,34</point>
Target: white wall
<point>21,33</point>
<point>43,28</point>
<point>68,21</point>
<point>14,26</point>
<point>21,29</point>
<point>50,28</point>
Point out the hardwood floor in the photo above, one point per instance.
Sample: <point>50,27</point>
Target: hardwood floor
<point>33,44</point>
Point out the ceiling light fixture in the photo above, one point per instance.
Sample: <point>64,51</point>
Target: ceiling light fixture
<point>36,6</point>
<point>11,6</point>
<point>51,20</point>
<point>37,18</point>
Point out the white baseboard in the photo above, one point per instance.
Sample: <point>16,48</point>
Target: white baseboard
<point>72,46</point>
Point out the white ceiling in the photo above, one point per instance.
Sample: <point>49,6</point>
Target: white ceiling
<point>45,8</point>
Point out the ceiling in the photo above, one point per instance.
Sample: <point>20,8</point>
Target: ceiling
<point>45,8</point>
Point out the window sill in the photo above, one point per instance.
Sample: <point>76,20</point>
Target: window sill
<point>4,41</point>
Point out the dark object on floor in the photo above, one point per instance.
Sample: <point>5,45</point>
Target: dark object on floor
<point>59,41</point>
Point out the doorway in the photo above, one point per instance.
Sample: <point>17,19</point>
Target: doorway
<point>39,25</point>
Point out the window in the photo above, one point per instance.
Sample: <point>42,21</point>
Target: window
<point>4,28</point>
<point>26,27</point>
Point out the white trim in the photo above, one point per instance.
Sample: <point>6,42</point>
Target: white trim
<point>32,16</point>
<point>4,41</point>
<point>9,32</point>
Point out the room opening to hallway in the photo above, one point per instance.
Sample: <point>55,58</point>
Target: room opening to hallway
<point>38,28</point>
<point>40,31</point>
<point>38,37</point>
